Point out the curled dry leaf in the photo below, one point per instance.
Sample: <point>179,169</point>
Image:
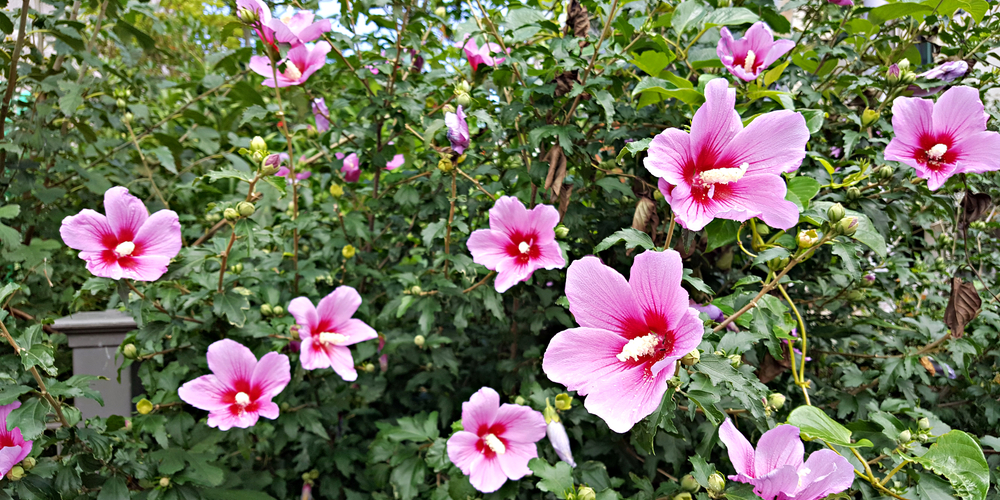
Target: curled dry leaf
<point>557,170</point>
<point>564,82</point>
<point>925,361</point>
<point>578,20</point>
<point>963,306</point>
<point>564,200</point>
<point>974,207</point>
<point>644,210</point>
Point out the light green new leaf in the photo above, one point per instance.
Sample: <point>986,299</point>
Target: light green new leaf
<point>814,423</point>
<point>730,16</point>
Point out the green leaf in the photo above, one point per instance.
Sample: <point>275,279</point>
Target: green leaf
<point>30,418</point>
<point>814,119</point>
<point>607,102</point>
<point>814,423</point>
<point>630,236</point>
<point>218,494</point>
<point>113,489</point>
<point>557,480</point>
<point>774,73</point>
<point>9,211</point>
<point>653,62</point>
<point>634,148</point>
<point>6,290</point>
<point>665,88</point>
<point>730,16</point>
<point>697,283</point>
<point>879,15</point>
<point>10,393</point>
<point>686,15</point>
<point>702,470</point>
<point>720,232</point>
<point>614,184</point>
<point>663,418</point>
<point>866,233</point>
<point>421,427</point>
<point>252,114</point>
<point>804,187</point>
<point>228,173</point>
<point>233,306</point>
<point>741,491</point>
<point>958,457</point>
<point>407,478</point>
<point>39,355</point>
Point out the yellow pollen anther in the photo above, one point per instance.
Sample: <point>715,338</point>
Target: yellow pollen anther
<point>937,152</point>
<point>639,347</point>
<point>332,338</point>
<point>125,248</point>
<point>495,444</point>
<point>724,175</point>
<point>292,71</point>
<point>242,398</point>
<point>748,62</point>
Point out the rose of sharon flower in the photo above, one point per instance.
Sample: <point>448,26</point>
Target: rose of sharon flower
<point>632,333</point>
<point>327,330</point>
<point>945,138</point>
<point>299,28</point>
<point>128,242</point>
<point>301,62</point>
<point>747,57</point>
<point>396,162</point>
<point>239,389</point>
<point>322,114</point>
<point>775,468</point>
<point>458,130</point>
<point>722,170</point>
<point>481,55</point>
<point>842,3</point>
<point>947,73</point>
<point>263,22</point>
<point>497,441</point>
<point>518,242</point>
<point>351,170</point>
<point>13,447</point>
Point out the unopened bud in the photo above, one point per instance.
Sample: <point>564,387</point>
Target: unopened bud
<point>904,64</point>
<point>416,290</point>
<point>121,103</point>
<point>519,400</point>
<point>924,424</point>
<point>419,341</point>
<point>440,12</point>
<point>369,368</point>
<point>762,229</point>
<point>777,264</point>
<point>884,173</point>
<point>258,145</point>
<point>562,231</point>
<point>245,208</point>
<point>445,165</point>
<point>855,295</point>
<point>144,406</point>
<point>230,214</point>
<point>868,279</point>
<point>735,359</point>
<point>853,193</point>
<point>776,400</point>
<point>335,190</point>
<point>463,99</point>
<point>868,117</point>
<point>28,463</point>
<point>905,436</point>
<point>348,251</point>
<point>16,473</point>
<point>129,351</point>
<point>164,481</point>
<point>279,311</point>
<point>909,77</point>
<point>266,310</point>
<point>236,268</point>
<point>683,496</point>
<point>689,483</point>
<point>447,108</point>
<point>848,226</point>
<point>564,401</point>
<point>586,493</point>
<point>835,213</point>
<point>716,483</point>
<point>248,16</point>
<point>692,358</point>
<point>892,74</point>
<point>129,117</point>
<point>462,87</point>
<point>807,239</point>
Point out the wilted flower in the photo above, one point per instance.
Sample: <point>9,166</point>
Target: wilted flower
<point>481,55</point>
<point>351,170</point>
<point>497,441</point>
<point>301,62</point>
<point>239,389</point>
<point>13,447</point>
<point>947,73</point>
<point>747,57</point>
<point>321,114</point>
<point>776,470</point>
<point>724,170</point>
<point>633,332</point>
<point>327,331</point>
<point>128,242</point>
<point>518,242</point>
<point>458,130</point>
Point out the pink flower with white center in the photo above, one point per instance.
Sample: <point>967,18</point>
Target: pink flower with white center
<point>239,389</point>
<point>945,138</point>
<point>301,62</point>
<point>396,162</point>
<point>481,55</point>
<point>776,470</point>
<point>747,57</point>
<point>13,447</point>
<point>721,170</point>
<point>299,28</point>
<point>351,170</point>
<point>128,242</point>
<point>497,441</point>
<point>630,337</point>
<point>458,130</point>
<point>322,114</point>
<point>327,331</point>
<point>518,242</point>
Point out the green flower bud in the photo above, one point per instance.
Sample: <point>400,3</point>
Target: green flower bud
<point>924,424</point>
<point>279,311</point>
<point>245,208</point>
<point>716,483</point>
<point>807,239</point>
<point>419,341</point>
<point>868,117</point>
<point>562,231</point>
<point>564,401</point>
<point>463,99</point>
<point>369,368</point>
<point>905,436</point>
<point>763,230</point>
<point>266,310</point>
<point>586,493</point>
<point>855,295</point>
<point>519,400</point>
<point>144,406</point>
<point>230,214</point>
<point>735,359</point>
<point>348,251</point>
<point>28,463</point>
<point>777,264</point>
<point>892,74</point>
<point>445,165</point>
<point>835,213</point>
<point>683,496</point>
<point>129,117</point>
<point>848,226</point>
<point>440,12</point>
<point>853,193</point>
<point>462,87</point>
<point>16,473</point>
<point>776,400</point>
<point>909,77</point>
<point>447,108</point>
<point>121,103</point>
<point>335,190</point>
<point>884,173</point>
<point>236,268</point>
<point>689,483</point>
<point>164,481</point>
<point>248,16</point>
<point>129,351</point>
<point>416,290</point>
<point>904,64</point>
<point>257,145</point>
<point>692,358</point>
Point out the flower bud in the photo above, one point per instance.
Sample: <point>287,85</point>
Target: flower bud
<point>586,493</point>
<point>519,400</point>
<point>564,402</point>
<point>335,190</point>
<point>369,368</point>
<point>905,436</point>
<point>556,433</point>
<point>28,463</point>
<point>868,117</point>
<point>692,358</point>
<point>245,208</point>
<point>447,108</point>
<point>848,226</point>
<point>129,351</point>
<point>884,173</point>
<point>909,77</point>
<point>16,473</point>
<point>416,290</point>
<point>892,74</point>
<point>121,103</point>
<point>257,145</point>
<point>279,311</point>
<point>924,424</point>
<point>777,264</point>
<point>128,117</point>
<point>776,400</point>
<point>807,239</point>
<point>716,483</point>
<point>853,193</point>
<point>144,406</point>
<point>164,481</point>
<point>683,496</point>
<point>762,229</point>
<point>689,483</point>
<point>440,12</point>
<point>835,213</point>
<point>419,341</point>
<point>348,251</point>
<point>445,165</point>
<point>463,99</point>
<point>868,279</point>
<point>903,64</point>
<point>562,231</point>
<point>266,310</point>
<point>735,359</point>
<point>230,214</point>
<point>236,268</point>
<point>462,87</point>
<point>248,16</point>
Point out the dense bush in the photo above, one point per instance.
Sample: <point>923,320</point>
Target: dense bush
<point>858,306</point>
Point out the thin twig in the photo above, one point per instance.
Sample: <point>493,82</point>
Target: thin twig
<point>157,305</point>
<point>38,378</point>
<point>478,185</point>
<point>12,78</point>
<point>593,59</point>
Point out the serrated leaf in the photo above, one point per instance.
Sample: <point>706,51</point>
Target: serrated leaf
<point>634,148</point>
<point>730,16</point>
<point>814,423</point>
<point>30,418</point>
<point>958,457</point>
<point>557,480</point>
<point>631,237</point>
<point>233,306</point>
<point>664,88</point>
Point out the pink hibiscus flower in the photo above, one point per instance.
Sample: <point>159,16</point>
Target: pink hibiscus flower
<point>13,447</point>
<point>396,162</point>
<point>458,130</point>
<point>481,55</point>
<point>518,242</point>
<point>945,138</point>
<point>497,441</point>
<point>239,389</point>
<point>633,332</point>
<point>299,65</point>
<point>722,170</point>
<point>747,57</point>
<point>128,242</point>
<point>299,28</point>
<point>322,114</point>
<point>327,330</point>
<point>351,170</point>
<point>775,468</point>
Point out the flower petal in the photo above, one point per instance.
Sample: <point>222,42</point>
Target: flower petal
<point>312,355</point>
<point>462,450</point>
<point>669,156</point>
<point>268,409</point>
<point>271,375</point>
<point>226,419</point>
<point>481,409</point>
<point>774,142</point>
<point>305,315</point>
<point>911,120</point>
<point>487,474</point>
<point>542,220</point>
<point>205,393</point>
<point>829,473</point>
<point>511,272</point>
<point>509,216</point>
<point>780,48</point>
<point>338,306</point>
<point>342,362</point>
<point>356,331</point>
<point>977,153</point>
<point>9,458</point>
<point>958,113</point>
<point>231,362</point>
<point>87,231</point>
<point>488,247</point>
<point>741,452</point>
<point>599,297</point>
<point>716,122</point>
<point>523,424</point>
<point>778,447</point>
<point>145,267</point>
<point>779,484</point>
<point>125,212</point>
<point>514,461</point>
<point>160,235</point>
<point>764,196</point>
<point>655,280</point>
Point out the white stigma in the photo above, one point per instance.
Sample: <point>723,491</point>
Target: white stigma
<point>292,72</point>
<point>639,347</point>
<point>937,152</point>
<point>524,247</point>
<point>332,338</point>
<point>748,62</point>
<point>125,248</point>
<point>287,18</point>
<point>724,175</point>
<point>242,398</point>
<point>495,444</point>
<point>803,472</point>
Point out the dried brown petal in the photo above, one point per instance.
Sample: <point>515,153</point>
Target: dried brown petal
<point>963,306</point>
<point>578,19</point>
<point>974,206</point>
<point>557,169</point>
<point>644,210</point>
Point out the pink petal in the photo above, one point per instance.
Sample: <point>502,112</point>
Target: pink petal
<point>911,119</point>
<point>356,331</point>
<point>549,255</point>
<point>231,362</point>
<point>759,39</point>
<point>777,448</point>
<point>716,122</point>
<point>780,48</point>
<point>779,484</point>
<point>488,247</point>
<point>627,396</point>
<point>225,419</point>
<point>669,155</point>
<point>205,393</point>
<point>160,235</point>
<point>741,452</point>
<point>5,412</point>
<point>511,272</point>
<point>315,30</point>
<point>829,473</point>
<point>509,216</point>
<point>959,112</point>
<point>312,356</point>
<point>305,315</point>
<point>338,306</point>
<point>599,297</point>
<point>762,196</point>
<point>462,450</point>
<point>543,219</point>
<point>523,425</point>
<point>342,362</point>
<point>271,375</point>
<point>262,66</point>
<point>125,213</point>
<point>9,457</point>
<point>937,178</point>
<point>774,142</point>
<point>655,280</point>
<point>145,267</point>
<point>977,153</point>
<point>487,475</point>
<point>481,409</point>
<point>99,266</point>
<point>514,461</point>
<point>396,162</point>
<point>268,409</point>
<point>87,231</point>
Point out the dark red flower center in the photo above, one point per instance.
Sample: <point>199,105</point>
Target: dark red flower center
<point>523,247</point>
<point>242,398</point>
<point>121,248</point>
<point>491,441</point>
<point>936,151</point>
<point>650,339</point>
